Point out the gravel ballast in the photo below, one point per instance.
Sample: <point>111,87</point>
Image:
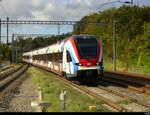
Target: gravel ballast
<point>26,93</point>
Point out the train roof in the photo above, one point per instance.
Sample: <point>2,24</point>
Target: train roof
<point>79,37</point>
<point>82,36</point>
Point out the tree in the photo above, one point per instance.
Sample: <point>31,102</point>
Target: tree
<point>5,52</point>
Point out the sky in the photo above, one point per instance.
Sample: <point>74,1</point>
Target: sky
<point>51,10</point>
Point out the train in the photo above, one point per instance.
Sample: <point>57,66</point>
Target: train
<point>77,56</point>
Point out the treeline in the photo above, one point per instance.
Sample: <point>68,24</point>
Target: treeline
<point>27,44</point>
<point>5,52</point>
<point>133,33</point>
<point>21,44</point>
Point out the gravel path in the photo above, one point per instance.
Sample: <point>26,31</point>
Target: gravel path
<point>27,92</point>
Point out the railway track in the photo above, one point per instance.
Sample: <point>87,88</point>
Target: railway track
<point>132,81</point>
<point>112,98</point>
<point>9,71</point>
<point>130,104</point>
<point>9,84</point>
<point>130,75</point>
<point>145,106</point>
<point>129,85</point>
<point>5,68</point>
<point>9,78</point>
<point>143,80</point>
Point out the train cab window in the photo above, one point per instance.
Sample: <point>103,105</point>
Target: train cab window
<point>68,57</point>
<point>87,47</point>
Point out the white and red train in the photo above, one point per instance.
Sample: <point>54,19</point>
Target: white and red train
<point>75,56</point>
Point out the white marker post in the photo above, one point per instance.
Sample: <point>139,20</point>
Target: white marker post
<point>62,99</point>
<point>41,106</point>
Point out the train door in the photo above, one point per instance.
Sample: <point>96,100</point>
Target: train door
<point>64,60</point>
<point>69,63</point>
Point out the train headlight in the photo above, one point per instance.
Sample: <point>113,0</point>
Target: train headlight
<point>80,64</point>
<point>99,63</point>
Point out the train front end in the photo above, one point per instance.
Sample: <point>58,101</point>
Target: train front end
<point>89,51</point>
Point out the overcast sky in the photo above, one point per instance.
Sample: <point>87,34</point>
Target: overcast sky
<point>51,10</point>
<point>54,9</point>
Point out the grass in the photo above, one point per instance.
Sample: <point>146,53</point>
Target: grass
<point>51,88</point>
<point>125,102</point>
<point>120,66</point>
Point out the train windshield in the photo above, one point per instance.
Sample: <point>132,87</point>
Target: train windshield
<point>87,47</point>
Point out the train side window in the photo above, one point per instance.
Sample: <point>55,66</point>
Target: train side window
<point>47,57</point>
<point>68,57</point>
<point>50,57</point>
<point>44,58</point>
<point>40,57</point>
<point>56,59</point>
<point>61,57</point>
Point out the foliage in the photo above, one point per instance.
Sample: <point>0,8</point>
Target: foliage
<point>133,33</point>
<point>37,42</point>
<point>5,52</point>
